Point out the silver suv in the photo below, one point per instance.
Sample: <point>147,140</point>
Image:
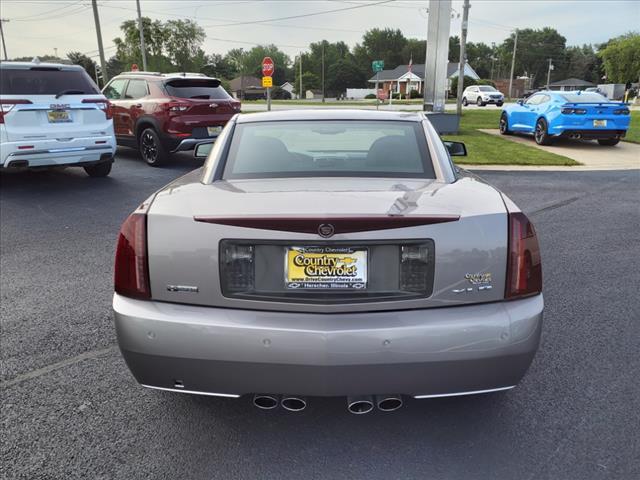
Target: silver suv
<point>481,95</point>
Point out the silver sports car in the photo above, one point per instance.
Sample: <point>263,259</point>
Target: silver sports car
<point>329,253</point>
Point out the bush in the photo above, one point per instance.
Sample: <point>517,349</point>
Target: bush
<point>468,81</point>
<point>415,94</point>
<point>396,96</point>
<point>278,93</point>
<point>485,81</point>
<point>370,96</point>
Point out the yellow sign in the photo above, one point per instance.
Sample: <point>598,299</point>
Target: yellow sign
<point>267,82</point>
<point>325,267</point>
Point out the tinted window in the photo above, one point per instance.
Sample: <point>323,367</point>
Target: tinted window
<point>487,89</point>
<point>588,97</point>
<point>136,89</point>
<point>44,81</point>
<point>204,88</point>
<point>114,90</point>
<point>329,148</point>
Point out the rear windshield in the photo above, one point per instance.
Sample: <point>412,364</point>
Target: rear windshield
<point>45,81</point>
<point>487,89</point>
<point>588,97</point>
<point>339,148</point>
<point>206,89</point>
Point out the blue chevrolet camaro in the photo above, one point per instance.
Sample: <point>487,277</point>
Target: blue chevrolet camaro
<point>579,115</point>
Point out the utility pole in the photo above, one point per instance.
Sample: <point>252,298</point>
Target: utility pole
<point>513,63</point>
<point>462,62</point>
<point>551,67</point>
<point>323,71</point>
<point>55,51</point>
<point>300,95</point>
<point>493,58</point>
<point>143,50</point>
<point>4,44</point>
<point>96,18</point>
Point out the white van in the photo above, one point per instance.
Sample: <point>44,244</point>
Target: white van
<point>54,115</point>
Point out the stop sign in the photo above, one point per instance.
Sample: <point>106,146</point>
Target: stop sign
<point>267,67</point>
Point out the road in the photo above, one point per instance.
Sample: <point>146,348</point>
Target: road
<point>71,409</point>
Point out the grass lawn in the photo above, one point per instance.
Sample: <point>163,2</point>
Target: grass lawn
<point>633,134</point>
<point>485,149</point>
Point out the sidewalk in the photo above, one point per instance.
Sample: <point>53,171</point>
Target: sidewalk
<point>592,156</point>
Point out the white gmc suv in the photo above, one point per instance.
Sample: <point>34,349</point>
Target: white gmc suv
<point>54,115</point>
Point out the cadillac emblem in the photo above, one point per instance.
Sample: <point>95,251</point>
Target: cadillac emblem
<point>326,230</point>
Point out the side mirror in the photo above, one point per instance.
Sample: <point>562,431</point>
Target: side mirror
<point>202,150</point>
<point>520,102</point>
<point>456,149</point>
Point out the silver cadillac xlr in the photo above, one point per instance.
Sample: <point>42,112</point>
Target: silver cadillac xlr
<point>328,253</point>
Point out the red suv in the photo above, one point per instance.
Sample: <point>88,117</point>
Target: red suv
<point>160,114</point>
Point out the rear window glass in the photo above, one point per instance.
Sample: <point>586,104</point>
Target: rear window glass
<point>43,81</point>
<point>487,89</point>
<point>206,89</point>
<point>339,148</point>
<point>588,97</point>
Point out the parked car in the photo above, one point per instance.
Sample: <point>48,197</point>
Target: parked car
<point>160,114</point>
<point>556,114</point>
<point>328,253</point>
<point>481,95</point>
<point>53,115</point>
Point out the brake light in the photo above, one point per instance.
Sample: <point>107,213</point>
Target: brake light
<point>105,105</point>
<point>6,105</point>
<point>176,107</point>
<point>131,277</point>
<point>622,111</point>
<point>524,268</point>
<point>577,111</point>
<point>237,270</point>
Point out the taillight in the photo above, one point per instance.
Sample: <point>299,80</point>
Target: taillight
<point>415,264</point>
<point>131,277</point>
<point>6,105</point>
<point>176,107</point>
<point>524,268</point>
<point>105,105</point>
<point>577,111</point>
<point>621,111</point>
<point>237,270</point>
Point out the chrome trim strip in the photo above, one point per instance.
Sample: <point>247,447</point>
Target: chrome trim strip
<point>192,392</point>
<point>60,150</point>
<point>187,143</point>
<point>459,394</point>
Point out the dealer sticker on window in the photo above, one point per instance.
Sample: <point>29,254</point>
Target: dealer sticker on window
<point>325,268</point>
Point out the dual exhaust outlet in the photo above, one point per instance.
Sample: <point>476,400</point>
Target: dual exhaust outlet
<point>358,405</point>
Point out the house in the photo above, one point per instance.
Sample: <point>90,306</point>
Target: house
<point>401,80</point>
<point>311,94</point>
<point>288,87</point>
<point>571,84</point>
<point>246,87</point>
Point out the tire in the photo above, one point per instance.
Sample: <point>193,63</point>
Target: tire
<point>499,104</point>
<point>100,170</point>
<point>540,134</point>
<point>504,124</point>
<point>479,102</point>
<point>464,101</point>
<point>608,142</point>
<point>151,148</point>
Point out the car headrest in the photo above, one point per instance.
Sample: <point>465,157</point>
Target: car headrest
<point>395,151</point>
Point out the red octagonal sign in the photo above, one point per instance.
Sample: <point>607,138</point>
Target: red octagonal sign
<point>267,67</point>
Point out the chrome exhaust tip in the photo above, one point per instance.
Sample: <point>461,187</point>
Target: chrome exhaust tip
<point>265,401</point>
<point>293,404</point>
<point>388,403</point>
<point>360,405</point>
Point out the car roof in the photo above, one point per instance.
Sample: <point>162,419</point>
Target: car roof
<point>163,76</point>
<point>30,65</point>
<point>330,114</point>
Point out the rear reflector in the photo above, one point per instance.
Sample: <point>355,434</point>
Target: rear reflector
<point>524,268</point>
<point>131,277</point>
<point>6,105</point>
<point>25,147</point>
<point>338,225</point>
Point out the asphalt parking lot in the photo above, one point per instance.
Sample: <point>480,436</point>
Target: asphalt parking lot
<point>71,409</point>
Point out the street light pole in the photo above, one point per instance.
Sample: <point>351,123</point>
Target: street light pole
<point>462,63</point>
<point>323,71</point>
<point>4,43</point>
<point>549,73</point>
<point>143,50</point>
<point>96,18</point>
<point>513,64</point>
<point>300,95</point>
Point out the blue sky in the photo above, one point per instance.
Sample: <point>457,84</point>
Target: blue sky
<point>40,26</point>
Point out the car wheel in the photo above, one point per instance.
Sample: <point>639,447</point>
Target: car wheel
<point>99,170</point>
<point>499,104</point>
<point>479,102</point>
<point>464,101</point>
<point>151,148</point>
<point>504,125</point>
<point>608,142</point>
<point>541,134</point>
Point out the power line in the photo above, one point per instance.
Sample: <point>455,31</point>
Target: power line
<point>21,19</point>
<point>78,9</point>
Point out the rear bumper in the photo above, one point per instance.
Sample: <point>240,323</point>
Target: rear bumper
<point>414,352</point>
<point>588,134</point>
<point>46,155</point>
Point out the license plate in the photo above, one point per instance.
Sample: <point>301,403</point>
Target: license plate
<point>326,268</point>
<point>599,123</point>
<point>214,131</point>
<point>58,116</point>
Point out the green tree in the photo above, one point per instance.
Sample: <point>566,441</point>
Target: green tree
<point>310,81</point>
<point>416,49</point>
<point>344,74</point>
<point>251,62</point>
<point>621,58</point>
<point>220,67</point>
<point>155,37</point>
<point>183,42</point>
<point>381,44</point>
<point>580,62</point>
<point>85,62</point>
<point>454,49</point>
<point>479,57</point>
